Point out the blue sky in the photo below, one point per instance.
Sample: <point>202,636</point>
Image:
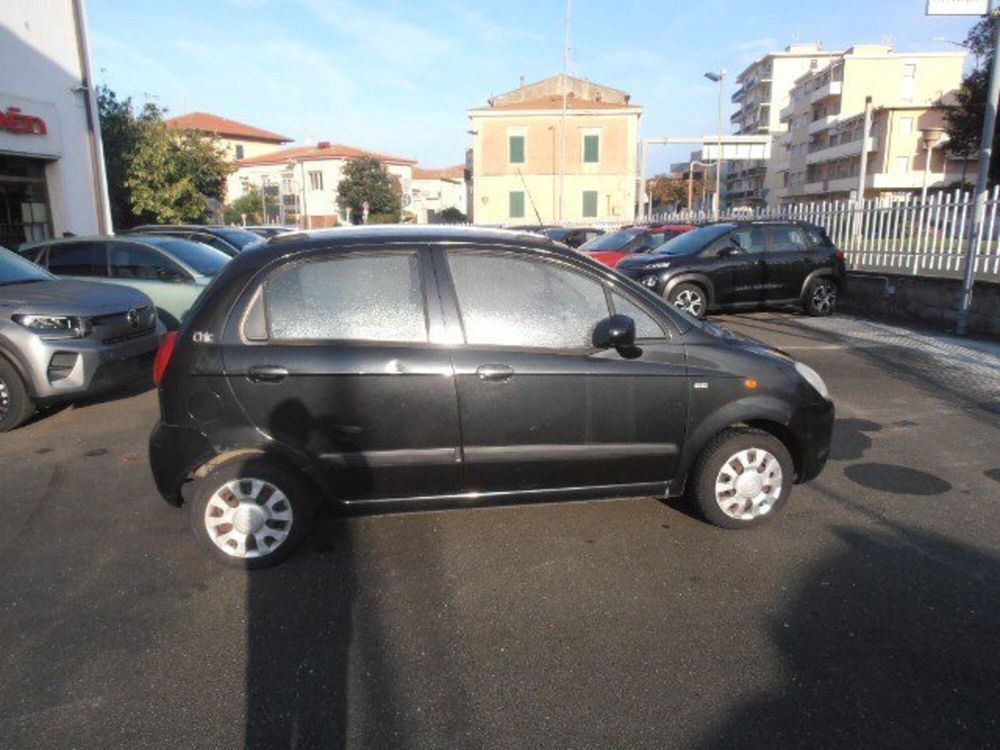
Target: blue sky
<point>398,75</point>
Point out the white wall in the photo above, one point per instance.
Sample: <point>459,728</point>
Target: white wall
<point>40,65</point>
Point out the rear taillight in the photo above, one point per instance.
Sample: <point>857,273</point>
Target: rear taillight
<point>163,355</point>
<point>839,254</point>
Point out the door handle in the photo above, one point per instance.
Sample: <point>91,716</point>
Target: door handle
<point>266,374</point>
<point>495,372</point>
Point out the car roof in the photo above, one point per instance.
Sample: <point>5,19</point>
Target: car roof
<point>403,233</point>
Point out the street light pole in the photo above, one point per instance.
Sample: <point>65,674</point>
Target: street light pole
<point>975,234</point>
<point>719,78</point>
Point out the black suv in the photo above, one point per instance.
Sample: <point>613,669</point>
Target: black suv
<point>744,264</point>
<point>415,367</point>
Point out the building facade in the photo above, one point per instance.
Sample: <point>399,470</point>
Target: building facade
<point>304,181</point>
<point>240,141</point>
<point>819,157</point>
<point>535,162</point>
<point>52,177</point>
<point>435,190</point>
<point>763,88</point>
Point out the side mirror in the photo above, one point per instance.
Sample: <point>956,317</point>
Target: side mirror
<point>725,252</point>
<point>616,331</point>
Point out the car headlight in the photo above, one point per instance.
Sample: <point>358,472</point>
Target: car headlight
<point>650,281</point>
<point>812,378</point>
<point>55,327</point>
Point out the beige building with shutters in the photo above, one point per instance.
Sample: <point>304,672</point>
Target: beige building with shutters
<point>534,162</point>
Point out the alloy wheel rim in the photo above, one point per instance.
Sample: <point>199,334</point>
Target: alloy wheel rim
<point>689,301</point>
<point>749,484</point>
<point>4,398</point>
<point>248,518</point>
<point>824,297</point>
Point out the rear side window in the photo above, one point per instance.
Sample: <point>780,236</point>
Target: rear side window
<point>78,259</point>
<point>507,300</point>
<point>360,297</point>
<point>817,237</point>
<point>130,261</point>
<point>748,239</point>
<point>788,240</point>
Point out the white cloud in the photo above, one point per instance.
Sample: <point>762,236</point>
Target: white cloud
<point>765,44</point>
<point>483,28</point>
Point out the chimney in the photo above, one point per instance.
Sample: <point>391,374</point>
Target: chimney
<point>323,144</point>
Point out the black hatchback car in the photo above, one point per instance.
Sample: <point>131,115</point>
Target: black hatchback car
<point>442,366</point>
<point>229,240</point>
<point>732,265</point>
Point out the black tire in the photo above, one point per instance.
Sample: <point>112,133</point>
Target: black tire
<point>689,297</point>
<point>724,446</point>
<point>298,499</point>
<point>15,402</point>
<point>820,298</point>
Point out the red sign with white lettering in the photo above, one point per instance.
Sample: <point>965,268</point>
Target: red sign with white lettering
<point>13,121</point>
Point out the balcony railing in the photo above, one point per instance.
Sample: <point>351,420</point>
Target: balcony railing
<point>831,88</point>
<point>840,151</point>
<point>822,123</point>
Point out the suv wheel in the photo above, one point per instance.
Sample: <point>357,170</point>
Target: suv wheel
<point>15,403</point>
<point>251,513</point>
<point>742,478</point>
<point>821,298</point>
<point>690,298</point>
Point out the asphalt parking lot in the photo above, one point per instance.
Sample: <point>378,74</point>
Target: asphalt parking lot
<point>867,615</point>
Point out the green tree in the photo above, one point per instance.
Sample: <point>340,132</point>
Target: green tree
<point>155,173</point>
<point>452,215</point>
<point>367,179</point>
<point>249,206</point>
<point>673,191</point>
<point>965,119</point>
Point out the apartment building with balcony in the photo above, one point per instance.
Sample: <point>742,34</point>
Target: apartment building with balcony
<point>819,156</point>
<point>764,87</point>
<point>535,161</point>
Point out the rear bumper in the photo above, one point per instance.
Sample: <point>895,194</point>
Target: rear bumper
<point>174,453</point>
<point>813,429</point>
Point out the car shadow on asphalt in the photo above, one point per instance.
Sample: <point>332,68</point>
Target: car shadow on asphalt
<point>887,642</point>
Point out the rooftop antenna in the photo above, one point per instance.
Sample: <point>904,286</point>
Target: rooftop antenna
<point>562,122</point>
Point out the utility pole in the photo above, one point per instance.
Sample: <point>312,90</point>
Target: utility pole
<point>719,78</point>
<point>975,235</point>
<point>859,201</point>
<point>562,119</point>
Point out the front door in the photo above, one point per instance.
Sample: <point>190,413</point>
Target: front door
<point>737,271</point>
<point>541,407</point>
<point>334,360</point>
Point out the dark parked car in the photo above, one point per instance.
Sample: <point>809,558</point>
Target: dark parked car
<point>744,264</point>
<point>419,367</point>
<point>268,231</point>
<point>572,236</point>
<point>614,247</point>
<point>61,340</point>
<point>230,240</point>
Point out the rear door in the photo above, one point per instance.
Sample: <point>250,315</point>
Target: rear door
<point>541,407</point>
<point>335,359</point>
<point>790,258</point>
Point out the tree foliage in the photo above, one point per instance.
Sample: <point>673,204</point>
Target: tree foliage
<point>451,215</point>
<point>156,173</point>
<point>367,179</point>
<point>248,208</point>
<point>964,121</point>
<point>665,190</point>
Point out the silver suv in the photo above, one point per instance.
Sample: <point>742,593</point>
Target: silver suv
<point>65,339</point>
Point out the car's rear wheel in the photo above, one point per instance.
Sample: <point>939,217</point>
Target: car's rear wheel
<point>742,478</point>
<point>690,298</point>
<point>821,298</point>
<point>15,402</point>
<point>251,513</point>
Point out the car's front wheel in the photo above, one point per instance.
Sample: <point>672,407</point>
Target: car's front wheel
<point>821,298</point>
<point>15,401</point>
<point>742,478</point>
<point>690,298</point>
<point>251,512</point>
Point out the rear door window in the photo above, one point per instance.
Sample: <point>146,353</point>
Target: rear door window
<point>788,240</point>
<point>367,297</point>
<point>78,259</point>
<point>748,239</point>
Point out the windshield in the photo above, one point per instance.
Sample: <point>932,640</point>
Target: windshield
<point>691,242</point>
<point>16,270</point>
<point>239,238</point>
<point>613,241</point>
<point>205,260</point>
